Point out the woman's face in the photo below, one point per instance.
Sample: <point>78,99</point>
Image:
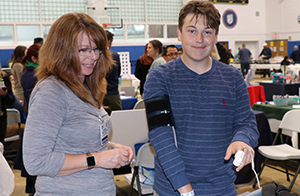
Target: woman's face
<point>88,55</point>
<point>151,51</point>
<point>12,81</point>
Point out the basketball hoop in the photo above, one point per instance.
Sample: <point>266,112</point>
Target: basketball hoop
<point>106,24</point>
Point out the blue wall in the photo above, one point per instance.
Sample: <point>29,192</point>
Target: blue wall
<point>135,52</point>
<point>5,55</point>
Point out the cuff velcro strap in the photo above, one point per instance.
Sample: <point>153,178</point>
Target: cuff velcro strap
<point>158,112</point>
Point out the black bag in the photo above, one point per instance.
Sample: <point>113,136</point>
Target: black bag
<point>276,190</point>
<point>9,98</point>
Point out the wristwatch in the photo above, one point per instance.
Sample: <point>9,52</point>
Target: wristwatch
<point>90,161</point>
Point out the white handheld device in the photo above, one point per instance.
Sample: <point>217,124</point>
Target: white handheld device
<point>238,158</point>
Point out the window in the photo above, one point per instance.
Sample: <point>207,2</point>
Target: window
<point>6,33</point>
<point>172,31</point>
<point>139,17</point>
<point>27,32</point>
<point>52,10</point>
<point>118,33</point>
<point>135,31</point>
<point>46,29</point>
<point>155,31</point>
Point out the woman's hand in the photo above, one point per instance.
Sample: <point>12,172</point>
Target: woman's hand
<point>3,92</point>
<point>116,156</point>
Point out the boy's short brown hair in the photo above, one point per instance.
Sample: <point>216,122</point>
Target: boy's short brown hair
<point>200,8</point>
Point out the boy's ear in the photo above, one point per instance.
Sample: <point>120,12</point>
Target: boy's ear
<point>179,34</point>
<point>217,38</point>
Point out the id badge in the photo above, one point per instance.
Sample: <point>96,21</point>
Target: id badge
<point>104,130</point>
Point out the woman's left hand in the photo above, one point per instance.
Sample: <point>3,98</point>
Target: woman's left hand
<point>3,92</point>
<point>113,145</point>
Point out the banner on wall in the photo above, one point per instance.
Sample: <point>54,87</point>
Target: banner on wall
<point>230,1</point>
<point>229,18</point>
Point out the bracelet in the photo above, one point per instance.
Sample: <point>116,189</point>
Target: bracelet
<point>188,194</point>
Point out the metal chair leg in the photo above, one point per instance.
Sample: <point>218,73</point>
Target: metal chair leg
<point>295,177</point>
<point>135,170</point>
<point>138,183</point>
<point>286,171</point>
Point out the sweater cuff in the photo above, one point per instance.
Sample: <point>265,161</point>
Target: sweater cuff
<point>179,180</point>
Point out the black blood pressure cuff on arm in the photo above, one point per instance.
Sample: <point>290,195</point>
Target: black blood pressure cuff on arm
<point>158,110</point>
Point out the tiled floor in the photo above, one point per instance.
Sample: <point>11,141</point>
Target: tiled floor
<point>123,189</point>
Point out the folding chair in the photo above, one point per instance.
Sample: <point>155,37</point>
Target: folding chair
<point>145,158</point>
<point>283,152</point>
<point>13,117</point>
<point>139,105</point>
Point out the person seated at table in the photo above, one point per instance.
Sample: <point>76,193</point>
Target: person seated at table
<point>170,52</point>
<point>285,61</point>
<point>6,99</point>
<point>295,55</point>
<point>180,51</point>
<point>141,68</point>
<point>112,100</point>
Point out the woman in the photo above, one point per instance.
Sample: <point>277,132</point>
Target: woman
<point>154,50</point>
<point>141,68</point>
<point>17,69</point>
<point>6,99</point>
<point>66,134</point>
<point>28,78</point>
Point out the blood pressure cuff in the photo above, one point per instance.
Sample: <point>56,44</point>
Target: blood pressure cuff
<point>158,110</point>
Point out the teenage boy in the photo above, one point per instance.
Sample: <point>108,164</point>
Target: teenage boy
<point>205,104</point>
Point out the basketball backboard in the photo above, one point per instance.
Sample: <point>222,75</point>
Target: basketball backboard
<point>107,16</point>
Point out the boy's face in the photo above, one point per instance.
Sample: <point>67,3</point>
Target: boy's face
<point>197,39</point>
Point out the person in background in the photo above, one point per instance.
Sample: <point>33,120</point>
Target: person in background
<point>236,56</point>
<point>244,56</point>
<point>6,99</point>
<point>295,55</point>
<point>28,79</point>
<point>14,129</point>
<point>230,56</point>
<point>154,50</point>
<point>214,53</point>
<point>38,40</point>
<point>180,51</point>
<point>9,62</point>
<point>170,52</point>
<point>222,53</point>
<point>66,134</point>
<point>17,69</point>
<point>285,61</point>
<point>265,54</point>
<point>112,99</point>
<point>141,68</point>
<point>194,158</point>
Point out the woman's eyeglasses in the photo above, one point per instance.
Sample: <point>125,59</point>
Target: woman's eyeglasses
<point>88,51</point>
